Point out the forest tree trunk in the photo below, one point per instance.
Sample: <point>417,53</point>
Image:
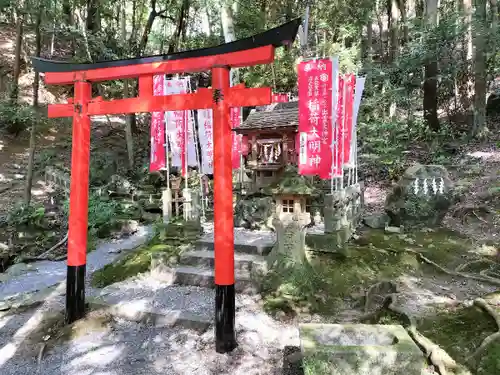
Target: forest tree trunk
<point>14,94</point>
<point>430,75</point>
<point>479,68</point>
<point>36,83</point>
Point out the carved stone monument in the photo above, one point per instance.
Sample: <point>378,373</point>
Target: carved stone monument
<point>342,213</point>
<point>422,197</point>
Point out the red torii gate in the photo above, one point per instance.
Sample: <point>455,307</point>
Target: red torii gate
<point>258,49</point>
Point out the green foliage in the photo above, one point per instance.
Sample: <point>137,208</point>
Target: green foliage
<point>105,215</point>
<point>30,216</point>
<point>292,183</point>
<point>15,118</point>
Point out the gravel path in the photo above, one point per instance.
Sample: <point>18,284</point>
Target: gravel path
<point>45,274</point>
<point>126,348</point>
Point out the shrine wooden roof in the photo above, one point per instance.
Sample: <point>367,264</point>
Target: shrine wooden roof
<point>279,115</point>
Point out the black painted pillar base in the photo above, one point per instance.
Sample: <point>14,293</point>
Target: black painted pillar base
<point>225,337</point>
<point>75,293</point>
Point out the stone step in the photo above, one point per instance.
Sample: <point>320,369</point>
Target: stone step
<point>202,277</point>
<point>253,249</point>
<point>205,259</point>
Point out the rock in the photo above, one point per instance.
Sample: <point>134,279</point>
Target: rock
<point>393,230</point>
<point>376,221</point>
<point>493,104</point>
<point>129,227</point>
<point>253,212</point>
<point>18,269</point>
<point>422,197</point>
<point>4,306</point>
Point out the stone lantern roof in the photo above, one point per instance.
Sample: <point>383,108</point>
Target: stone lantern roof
<point>292,183</point>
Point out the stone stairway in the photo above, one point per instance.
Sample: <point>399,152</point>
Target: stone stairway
<point>196,264</point>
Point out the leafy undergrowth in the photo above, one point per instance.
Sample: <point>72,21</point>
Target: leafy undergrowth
<point>336,279</point>
<point>460,331</point>
<point>167,243</point>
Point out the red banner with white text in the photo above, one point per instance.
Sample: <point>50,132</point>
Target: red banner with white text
<point>236,138</point>
<point>315,110</point>
<point>350,82</point>
<point>158,159</point>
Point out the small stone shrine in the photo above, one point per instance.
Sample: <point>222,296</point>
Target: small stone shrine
<point>270,136</point>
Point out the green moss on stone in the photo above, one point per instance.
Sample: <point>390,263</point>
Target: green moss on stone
<point>292,183</point>
<point>459,331</point>
<point>130,265</point>
<point>167,241</point>
<point>334,276</point>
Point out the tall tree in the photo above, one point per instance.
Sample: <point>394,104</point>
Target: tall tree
<point>18,50</point>
<point>36,83</point>
<point>480,45</point>
<point>431,71</point>
<point>394,29</point>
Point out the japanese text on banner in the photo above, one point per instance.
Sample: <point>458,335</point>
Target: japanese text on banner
<point>205,133</point>
<point>178,122</point>
<point>236,138</point>
<point>315,110</point>
<point>158,157</point>
<point>350,81</point>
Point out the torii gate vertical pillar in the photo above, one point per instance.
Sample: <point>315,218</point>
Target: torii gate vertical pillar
<point>225,339</point>
<point>78,203</point>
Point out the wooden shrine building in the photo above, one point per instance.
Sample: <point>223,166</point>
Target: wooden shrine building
<point>270,132</point>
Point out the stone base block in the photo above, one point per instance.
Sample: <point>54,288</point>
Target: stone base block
<point>359,349</point>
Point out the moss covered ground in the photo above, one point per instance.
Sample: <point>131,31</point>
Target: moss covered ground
<point>168,241</point>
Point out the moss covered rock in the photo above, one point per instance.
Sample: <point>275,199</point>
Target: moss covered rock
<point>422,197</point>
<point>253,212</point>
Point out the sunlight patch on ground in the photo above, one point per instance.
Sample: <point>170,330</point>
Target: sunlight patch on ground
<point>100,357</point>
<point>419,299</point>
<point>4,320</point>
<point>3,178</point>
<point>485,155</point>
<point>36,320</point>
<point>7,45</point>
<point>374,195</point>
<point>484,250</point>
<point>50,138</point>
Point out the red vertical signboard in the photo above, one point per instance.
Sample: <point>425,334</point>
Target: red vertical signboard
<point>236,139</point>
<point>158,159</point>
<point>315,110</point>
<point>350,83</point>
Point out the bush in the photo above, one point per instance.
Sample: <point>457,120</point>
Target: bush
<point>15,118</point>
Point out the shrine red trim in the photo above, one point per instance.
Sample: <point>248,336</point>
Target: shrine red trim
<point>255,56</point>
<point>237,96</point>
